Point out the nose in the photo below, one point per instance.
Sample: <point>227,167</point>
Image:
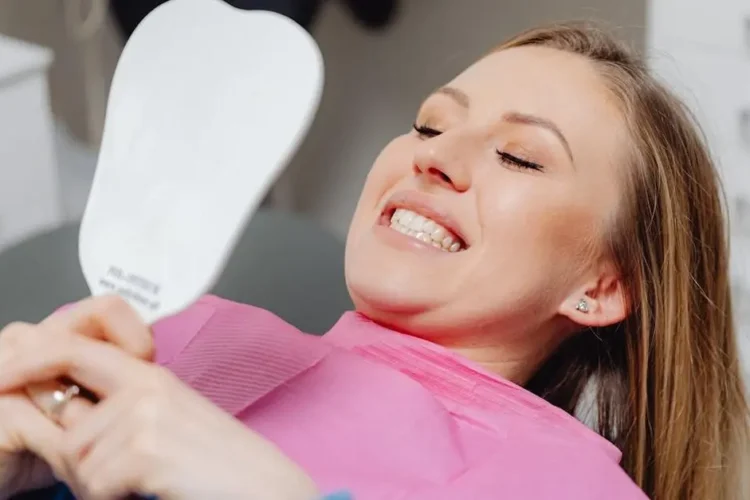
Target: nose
<point>439,160</point>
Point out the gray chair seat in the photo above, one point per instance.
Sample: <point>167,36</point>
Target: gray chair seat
<point>283,263</point>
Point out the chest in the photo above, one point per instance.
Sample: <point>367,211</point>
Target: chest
<point>373,427</point>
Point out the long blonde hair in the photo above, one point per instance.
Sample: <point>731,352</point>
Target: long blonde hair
<point>669,389</point>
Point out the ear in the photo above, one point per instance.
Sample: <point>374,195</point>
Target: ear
<point>600,302</point>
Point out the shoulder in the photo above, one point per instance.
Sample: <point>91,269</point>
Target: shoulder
<point>557,471</point>
<point>536,472</point>
<point>586,473</point>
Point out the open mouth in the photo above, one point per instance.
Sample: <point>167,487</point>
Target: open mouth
<point>423,228</point>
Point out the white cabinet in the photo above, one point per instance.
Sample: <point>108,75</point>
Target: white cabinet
<point>29,187</point>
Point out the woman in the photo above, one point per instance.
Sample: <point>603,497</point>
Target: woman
<point>550,229</point>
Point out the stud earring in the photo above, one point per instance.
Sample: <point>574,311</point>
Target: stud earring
<point>582,306</point>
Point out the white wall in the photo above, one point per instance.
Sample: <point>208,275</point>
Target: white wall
<point>375,82</point>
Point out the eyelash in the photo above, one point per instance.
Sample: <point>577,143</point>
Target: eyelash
<point>505,158</point>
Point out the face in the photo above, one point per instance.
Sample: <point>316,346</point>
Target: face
<point>486,221</point>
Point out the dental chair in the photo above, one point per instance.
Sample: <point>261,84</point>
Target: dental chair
<point>283,263</point>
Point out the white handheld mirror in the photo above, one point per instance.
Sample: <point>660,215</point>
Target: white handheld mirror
<point>207,106</point>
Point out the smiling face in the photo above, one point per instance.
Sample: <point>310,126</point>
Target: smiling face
<point>486,223</point>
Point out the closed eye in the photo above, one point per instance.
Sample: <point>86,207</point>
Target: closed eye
<point>517,162</point>
<point>426,132</point>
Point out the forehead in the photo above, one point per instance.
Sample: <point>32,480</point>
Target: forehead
<point>562,87</point>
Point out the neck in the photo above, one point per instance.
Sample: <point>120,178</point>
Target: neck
<point>515,368</point>
<point>514,360</point>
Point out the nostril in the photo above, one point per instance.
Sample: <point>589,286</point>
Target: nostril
<point>439,173</point>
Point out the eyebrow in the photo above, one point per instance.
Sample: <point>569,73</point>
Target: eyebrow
<point>524,119</point>
<point>513,117</point>
<point>457,95</point>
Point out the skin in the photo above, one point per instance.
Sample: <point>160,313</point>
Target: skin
<point>535,236</point>
<point>535,248</point>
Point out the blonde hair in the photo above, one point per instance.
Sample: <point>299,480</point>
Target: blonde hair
<point>669,389</point>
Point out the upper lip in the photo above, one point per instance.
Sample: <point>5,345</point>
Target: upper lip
<point>424,205</point>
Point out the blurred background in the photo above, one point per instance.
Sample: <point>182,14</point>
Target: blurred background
<point>382,57</point>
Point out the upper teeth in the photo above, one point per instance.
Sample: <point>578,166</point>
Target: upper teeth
<point>427,230</point>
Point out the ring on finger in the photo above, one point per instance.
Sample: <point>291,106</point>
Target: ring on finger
<point>61,398</point>
<point>53,398</point>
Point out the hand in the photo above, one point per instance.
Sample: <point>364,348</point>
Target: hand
<point>150,434</point>
<point>26,434</point>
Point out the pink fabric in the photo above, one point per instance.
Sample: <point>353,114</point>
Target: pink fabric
<point>385,415</point>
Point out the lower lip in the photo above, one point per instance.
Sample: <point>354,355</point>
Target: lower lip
<point>403,241</point>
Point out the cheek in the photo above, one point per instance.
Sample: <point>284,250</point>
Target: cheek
<point>392,165</point>
<point>542,225</point>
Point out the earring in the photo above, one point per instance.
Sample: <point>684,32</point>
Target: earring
<point>582,306</point>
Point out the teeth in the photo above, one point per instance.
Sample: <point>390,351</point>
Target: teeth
<point>424,229</point>
<point>438,234</point>
<point>406,217</point>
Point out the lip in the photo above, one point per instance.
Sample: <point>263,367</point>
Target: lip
<point>424,205</point>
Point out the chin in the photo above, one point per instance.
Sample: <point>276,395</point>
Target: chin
<point>398,280</point>
<point>406,316</point>
<point>383,294</point>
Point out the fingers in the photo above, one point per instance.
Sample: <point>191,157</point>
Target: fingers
<point>110,319</point>
<point>91,427</point>
<point>35,357</point>
<point>29,429</point>
<point>110,450</point>
<point>117,475</point>
<point>11,335</point>
<point>42,395</point>
<point>76,343</point>
<point>102,470</point>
